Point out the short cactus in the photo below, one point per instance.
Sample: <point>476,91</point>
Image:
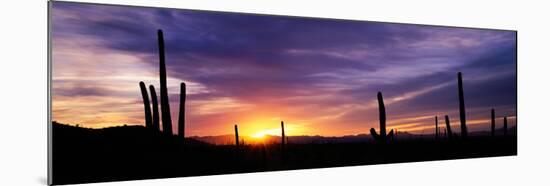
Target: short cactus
<point>282,134</point>
<point>283,149</point>
<point>181,120</point>
<point>505,127</point>
<point>236,137</point>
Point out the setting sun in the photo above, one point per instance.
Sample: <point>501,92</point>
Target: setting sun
<point>270,132</point>
<point>258,135</point>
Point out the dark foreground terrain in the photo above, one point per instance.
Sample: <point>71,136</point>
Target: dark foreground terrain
<point>133,152</point>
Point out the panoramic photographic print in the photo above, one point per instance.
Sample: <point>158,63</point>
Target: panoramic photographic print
<point>145,93</point>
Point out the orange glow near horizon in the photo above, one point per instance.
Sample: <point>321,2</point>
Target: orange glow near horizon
<point>260,127</point>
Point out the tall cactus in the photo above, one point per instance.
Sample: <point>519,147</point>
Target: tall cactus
<point>382,137</point>
<point>146,105</point>
<point>436,128</point>
<point>236,137</point>
<point>181,120</point>
<point>505,127</point>
<point>156,115</point>
<point>492,122</point>
<point>463,129</point>
<point>448,126</point>
<point>164,101</point>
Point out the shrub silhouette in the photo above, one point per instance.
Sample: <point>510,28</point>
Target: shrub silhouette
<point>146,105</point>
<point>181,120</point>
<point>382,137</point>
<point>448,126</point>
<point>156,122</point>
<point>164,101</point>
<point>463,129</point>
<point>492,122</point>
<point>505,127</point>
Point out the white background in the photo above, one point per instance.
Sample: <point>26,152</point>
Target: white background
<point>23,72</point>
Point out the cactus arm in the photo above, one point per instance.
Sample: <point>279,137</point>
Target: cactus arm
<point>156,114</point>
<point>146,105</point>
<point>390,135</point>
<point>374,134</point>
<point>448,126</point>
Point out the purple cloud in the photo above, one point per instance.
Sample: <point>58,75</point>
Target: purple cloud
<point>322,71</point>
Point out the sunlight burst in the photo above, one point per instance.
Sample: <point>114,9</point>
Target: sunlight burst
<point>258,135</point>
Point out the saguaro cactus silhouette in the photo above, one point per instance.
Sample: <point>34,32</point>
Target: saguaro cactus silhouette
<point>181,120</point>
<point>283,141</point>
<point>156,115</point>
<point>164,101</point>
<point>492,122</point>
<point>463,129</point>
<point>146,105</point>
<point>505,127</point>
<point>283,133</point>
<point>382,137</point>
<point>436,128</point>
<point>448,126</point>
<point>236,137</point>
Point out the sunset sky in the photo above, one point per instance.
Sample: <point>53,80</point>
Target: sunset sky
<point>320,76</point>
